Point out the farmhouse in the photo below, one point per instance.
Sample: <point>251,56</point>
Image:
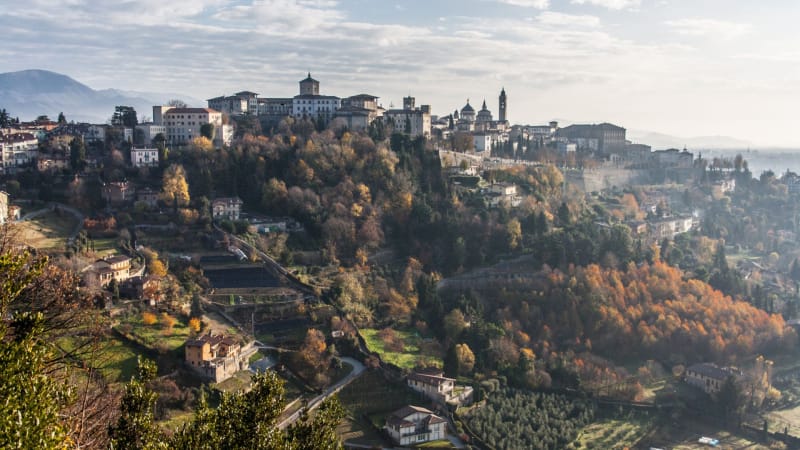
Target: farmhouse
<point>439,388</point>
<point>415,425</point>
<point>708,377</point>
<point>216,356</point>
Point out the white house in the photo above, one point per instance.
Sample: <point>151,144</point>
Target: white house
<point>17,150</point>
<point>226,208</point>
<point>144,157</point>
<point>415,425</point>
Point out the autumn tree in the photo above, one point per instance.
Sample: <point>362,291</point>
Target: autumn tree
<point>466,359</point>
<point>175,189</point>
<point>313,349</point>
<point>454,324</point>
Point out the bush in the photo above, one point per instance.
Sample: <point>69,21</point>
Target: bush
<point>149,318</point>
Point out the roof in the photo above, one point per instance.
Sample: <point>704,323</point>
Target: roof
<point>236,200</point>
<point>308,78</point>
<point>117,259</point>
<point>363,97</point>
<point>434,380</point>
<point>467,108</point>
<point>247,93</point>
<point>206,338</point>
<point>312,97</point>
<point>190,111</point>
<point>408,410</point>
<point>710,370</point>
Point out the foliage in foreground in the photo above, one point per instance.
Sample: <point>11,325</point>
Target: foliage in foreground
<point>513,419</point>
<point>244,420</point>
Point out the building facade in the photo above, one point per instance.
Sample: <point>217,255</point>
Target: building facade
<point>144,157</point>
<point>228,208</point>
<point>184,124</point>
<point>217,357</point>
<point>415,425</point>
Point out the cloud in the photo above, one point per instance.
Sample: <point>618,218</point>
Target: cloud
<point>709,28</point>
<point>560,19</point>
<point>538,4</point>
<point>610,4</point>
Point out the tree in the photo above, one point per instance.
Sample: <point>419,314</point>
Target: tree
<point>207,130</point>
<point>39,305</point>
<point>313,349</point>
<point>61,119</point>
<point>465,357</point>
<point>177,103</point>
<point>5,118</point>
<point>136,428</point>
<point>124,116</point>
<point>248,420</point>
<point>77,154</point>
<point>731,401</point>
<point>175,189</point>
<point>454,324</point>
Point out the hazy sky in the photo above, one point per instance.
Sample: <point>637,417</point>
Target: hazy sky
<point>688,68</point>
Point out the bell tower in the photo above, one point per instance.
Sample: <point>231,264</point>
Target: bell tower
<point>502,105</point>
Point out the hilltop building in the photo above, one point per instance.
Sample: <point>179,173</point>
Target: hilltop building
<point>313,105</point>
<point>411,120</point>
<point>503,105</point>
<point>359,111</point>
<point>603,138</point>
<point>181,125</point>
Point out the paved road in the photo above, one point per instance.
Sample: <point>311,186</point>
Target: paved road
<point>358,368</point>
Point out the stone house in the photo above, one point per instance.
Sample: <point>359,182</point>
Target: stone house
<point>217,357</point>
<point>708,377</point>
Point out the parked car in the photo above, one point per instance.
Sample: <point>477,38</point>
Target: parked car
<point>711,442</point>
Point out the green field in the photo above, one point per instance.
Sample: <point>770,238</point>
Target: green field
<point>406,359</point>
<point>115,358</point>
<point>155,337</point>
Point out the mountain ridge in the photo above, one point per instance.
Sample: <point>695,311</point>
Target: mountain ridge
<point>30,93</point>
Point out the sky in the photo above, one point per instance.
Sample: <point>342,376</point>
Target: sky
<point>681,67</point>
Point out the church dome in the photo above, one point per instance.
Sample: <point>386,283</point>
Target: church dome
<point>467,108</point>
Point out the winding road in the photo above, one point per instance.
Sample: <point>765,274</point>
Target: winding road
<point>358,368</point>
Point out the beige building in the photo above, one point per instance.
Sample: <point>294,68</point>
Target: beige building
<point>415,425</point>
<point>17,150</point>
<point>439,388</point>
<point>216,356</point>
<point>184,124</point>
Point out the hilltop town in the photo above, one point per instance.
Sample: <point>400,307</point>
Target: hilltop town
<point>431,272</point>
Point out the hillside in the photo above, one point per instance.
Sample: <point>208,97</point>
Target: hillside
<point>29,93</point>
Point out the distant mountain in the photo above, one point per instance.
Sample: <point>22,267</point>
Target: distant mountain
<point>661,141</point>
<point>30,93</point>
